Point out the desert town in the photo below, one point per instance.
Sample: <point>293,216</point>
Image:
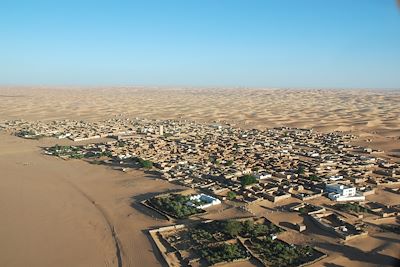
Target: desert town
<point>293,170</point>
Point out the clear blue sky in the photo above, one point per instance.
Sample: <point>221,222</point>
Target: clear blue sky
<point>261,43</point>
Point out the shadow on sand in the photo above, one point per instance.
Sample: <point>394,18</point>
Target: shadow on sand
<point>356,254</point>
<point>137,205</point>
<point>154,249</point>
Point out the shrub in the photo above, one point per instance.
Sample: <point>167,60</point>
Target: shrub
<point>248,180</point>
<point>314,178</point>
<point>231,195</point>
<point>175,205</point>
<point>351,207</point>
<point>278,253</point>
<point>147,164</point>
<point>223,253</point>
<point>233,228</point>
<point>300,170</point>
<point>229,163</point>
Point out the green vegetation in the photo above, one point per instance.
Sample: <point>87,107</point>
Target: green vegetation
<point>121,143</point>
<point>24,133</point>
<point>303,210</point>
<point>278,253</point>
<point>221,241</point>
<point>29,134</point>
<point>76,156</point>
<point>232,228</point>
<point>351,207</point>
<point>147,164</point>
<point>166,135</point>
<point>201,236</point>
<point>75,152</point>
<point>229,163</point>
<point>175,205</point>
<point>308,208</point>
<point>248,180</point>
<point>92,154</point>
<point>231,195</point>
<point>224,253</point>
<point>212,159</point>
<point>66,151</point>
<point>314,178</point>
<point>251,229</point>
<point>300,170</point>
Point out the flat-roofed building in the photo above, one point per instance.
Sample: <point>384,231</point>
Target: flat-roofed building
<point>340,192</point>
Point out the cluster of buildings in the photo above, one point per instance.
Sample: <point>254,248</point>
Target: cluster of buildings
<point>287,162</point>
<point>71,129</point>
<point>339,226</point>
<point>214,159</point>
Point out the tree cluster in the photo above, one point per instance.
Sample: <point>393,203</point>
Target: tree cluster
<point>351,207</point>
<point>248,180</point>
<point>224,253</point>
<point>147,164</point>
<point>278,253</point>
<point>176,205</point>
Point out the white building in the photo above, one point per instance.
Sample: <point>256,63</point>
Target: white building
<point>339,192</point>
<point>209,201</point>
<point>262,175</point>
<point>336,177</point>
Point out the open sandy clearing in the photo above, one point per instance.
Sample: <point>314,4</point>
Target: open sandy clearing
<point>70,213</point>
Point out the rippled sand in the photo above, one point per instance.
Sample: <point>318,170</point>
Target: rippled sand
<point>361,110</point>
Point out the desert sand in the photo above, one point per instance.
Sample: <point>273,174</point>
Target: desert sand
<point>71,213</point>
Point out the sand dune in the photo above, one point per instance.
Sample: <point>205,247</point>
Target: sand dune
<point>322,109</point>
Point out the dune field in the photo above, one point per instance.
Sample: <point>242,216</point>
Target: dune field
<point>367,111</point>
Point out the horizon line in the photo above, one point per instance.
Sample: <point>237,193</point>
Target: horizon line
<point>155,86</point>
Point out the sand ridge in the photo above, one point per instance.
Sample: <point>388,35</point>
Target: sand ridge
<point>359,110</point>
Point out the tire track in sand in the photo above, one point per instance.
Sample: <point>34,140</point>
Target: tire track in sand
<point>117,242</point>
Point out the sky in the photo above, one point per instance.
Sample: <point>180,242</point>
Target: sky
<point>224,43</point>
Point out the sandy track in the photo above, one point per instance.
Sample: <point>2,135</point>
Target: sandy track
<point>41,222</point>
<point>118,246</point>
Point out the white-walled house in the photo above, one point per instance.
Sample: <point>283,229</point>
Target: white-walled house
<point>262,175</point>
<point>336,177</point>
<point>209,201</point>
<point>339,192</point>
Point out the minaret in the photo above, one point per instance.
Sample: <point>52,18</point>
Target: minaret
<point>161,130</point>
